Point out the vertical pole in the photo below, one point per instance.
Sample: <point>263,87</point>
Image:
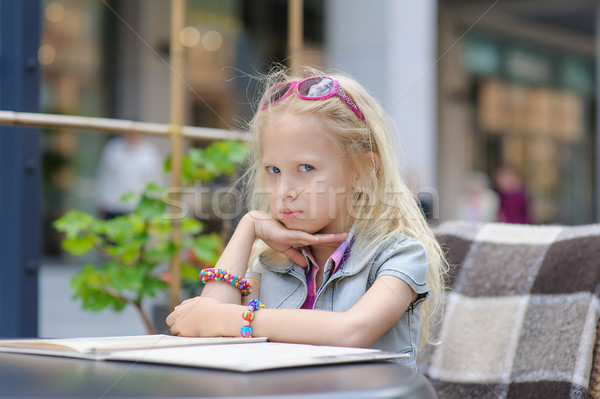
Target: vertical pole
<point>176,120</point>
<point>596,173</point>
<point>411,86</point>
<point>295,32</point>
<point>19,170</point>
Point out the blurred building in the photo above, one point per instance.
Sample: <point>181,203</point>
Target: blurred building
<point>111,59</point>
<point>471,85</point>
<point>474,85</point>
<point>519,87</point>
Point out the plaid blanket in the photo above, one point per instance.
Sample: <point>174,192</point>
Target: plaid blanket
<point>521,312</point>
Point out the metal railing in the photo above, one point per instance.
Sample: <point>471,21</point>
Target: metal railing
<point>108,125</point>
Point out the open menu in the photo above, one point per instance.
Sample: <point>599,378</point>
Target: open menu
<point>98,348</point>
<point>237,354</point>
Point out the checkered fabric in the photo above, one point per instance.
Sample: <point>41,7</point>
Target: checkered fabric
<point>521,312</point>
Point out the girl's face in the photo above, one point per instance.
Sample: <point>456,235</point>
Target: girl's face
<point>308,182</point>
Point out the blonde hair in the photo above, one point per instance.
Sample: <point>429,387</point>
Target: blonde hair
<point>385,206</point>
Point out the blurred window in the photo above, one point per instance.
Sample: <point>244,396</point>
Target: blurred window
<point>533,111</point>
<point>109,58</point>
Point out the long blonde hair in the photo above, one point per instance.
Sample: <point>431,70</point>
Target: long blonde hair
<point>385,206</point>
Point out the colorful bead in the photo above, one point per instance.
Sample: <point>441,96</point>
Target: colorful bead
<point>246,332</point>
<point>248,316</point>
<point>254,304</point>
<point>223,275</point>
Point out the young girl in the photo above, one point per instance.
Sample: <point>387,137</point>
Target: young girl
<point>349,259</point>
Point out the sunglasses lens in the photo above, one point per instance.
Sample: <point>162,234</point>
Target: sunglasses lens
<point>316,87</point>
<point>276,94</point>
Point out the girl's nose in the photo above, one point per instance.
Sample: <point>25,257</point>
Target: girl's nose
<point>287,189</point>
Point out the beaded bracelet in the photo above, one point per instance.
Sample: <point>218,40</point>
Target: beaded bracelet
<point>248,316</point>
<point>229,278</point>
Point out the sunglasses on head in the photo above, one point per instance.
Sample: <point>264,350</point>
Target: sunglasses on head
<point>313,88</point>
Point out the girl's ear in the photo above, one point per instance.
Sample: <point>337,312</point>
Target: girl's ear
<point>370,159</point>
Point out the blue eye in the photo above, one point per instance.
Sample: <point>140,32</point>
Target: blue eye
<point>305,168</point>
<point>272,169</point>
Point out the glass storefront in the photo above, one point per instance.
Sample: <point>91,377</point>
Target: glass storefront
<point>533,110</point>
<point>99,57</point>
<point>72,82</point>
<point>230,43</point>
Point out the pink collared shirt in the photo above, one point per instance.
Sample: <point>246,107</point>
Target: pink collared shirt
<point>335,261</point>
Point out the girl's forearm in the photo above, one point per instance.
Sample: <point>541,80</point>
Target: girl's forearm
<point>360,326</point>
<point>234,259</point>
<point>301,326</point>
<point>315,327</point>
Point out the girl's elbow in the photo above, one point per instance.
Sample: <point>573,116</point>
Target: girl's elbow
<point>356,341</point>
<point>357,335</point>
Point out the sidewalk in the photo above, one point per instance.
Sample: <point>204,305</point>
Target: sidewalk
<point>62,317</point>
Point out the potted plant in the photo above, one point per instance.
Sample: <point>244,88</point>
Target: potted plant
<point>133,246</point>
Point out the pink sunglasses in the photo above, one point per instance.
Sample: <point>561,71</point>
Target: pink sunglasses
<point>313,88</point>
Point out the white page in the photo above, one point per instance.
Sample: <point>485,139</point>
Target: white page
<point>107,344</point>
<point>258,356</point>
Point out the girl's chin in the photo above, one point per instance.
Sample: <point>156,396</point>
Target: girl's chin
<point>310,229</point>
<point>299,225</point>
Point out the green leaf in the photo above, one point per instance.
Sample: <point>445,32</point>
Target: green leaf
<point>121,277</point>
<point>123,229</point>
<point>191,226</point>
<point>90,286</point>
<point>189,272</point>
<point>152,285</point>
<point>160,226</point>
<point>87,277</point>
<point>204,175</point>
<point>117,304</point>
<point>207,248</point>
<point>131,251</point>
<point>196,156</point>
<point>112,251</point>
<point>80,245</point>
<point>238,151</point>
<point>130,196</point>
<point>160,254</point>
<point>153,189</point>
<point>102,300</point>
<point>149,208</point>
<point>218,158</point>
<point>98,227</point>
<point>228,153</point>
<point>187,170</point>
<point>74,222</point>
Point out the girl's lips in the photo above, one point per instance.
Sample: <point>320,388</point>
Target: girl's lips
<point>287,215</point>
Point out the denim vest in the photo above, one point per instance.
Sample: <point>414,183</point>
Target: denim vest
<point>283,285</point>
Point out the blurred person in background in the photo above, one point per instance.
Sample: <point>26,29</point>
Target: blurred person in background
<point>126,164</point>
<point>479,203</point>
<point>514,201</point>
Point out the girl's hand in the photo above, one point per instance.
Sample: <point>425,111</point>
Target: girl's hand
<point>283,240</point>
<point>195,317</point>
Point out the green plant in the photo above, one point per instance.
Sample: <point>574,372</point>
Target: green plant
<point>134,245</point>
